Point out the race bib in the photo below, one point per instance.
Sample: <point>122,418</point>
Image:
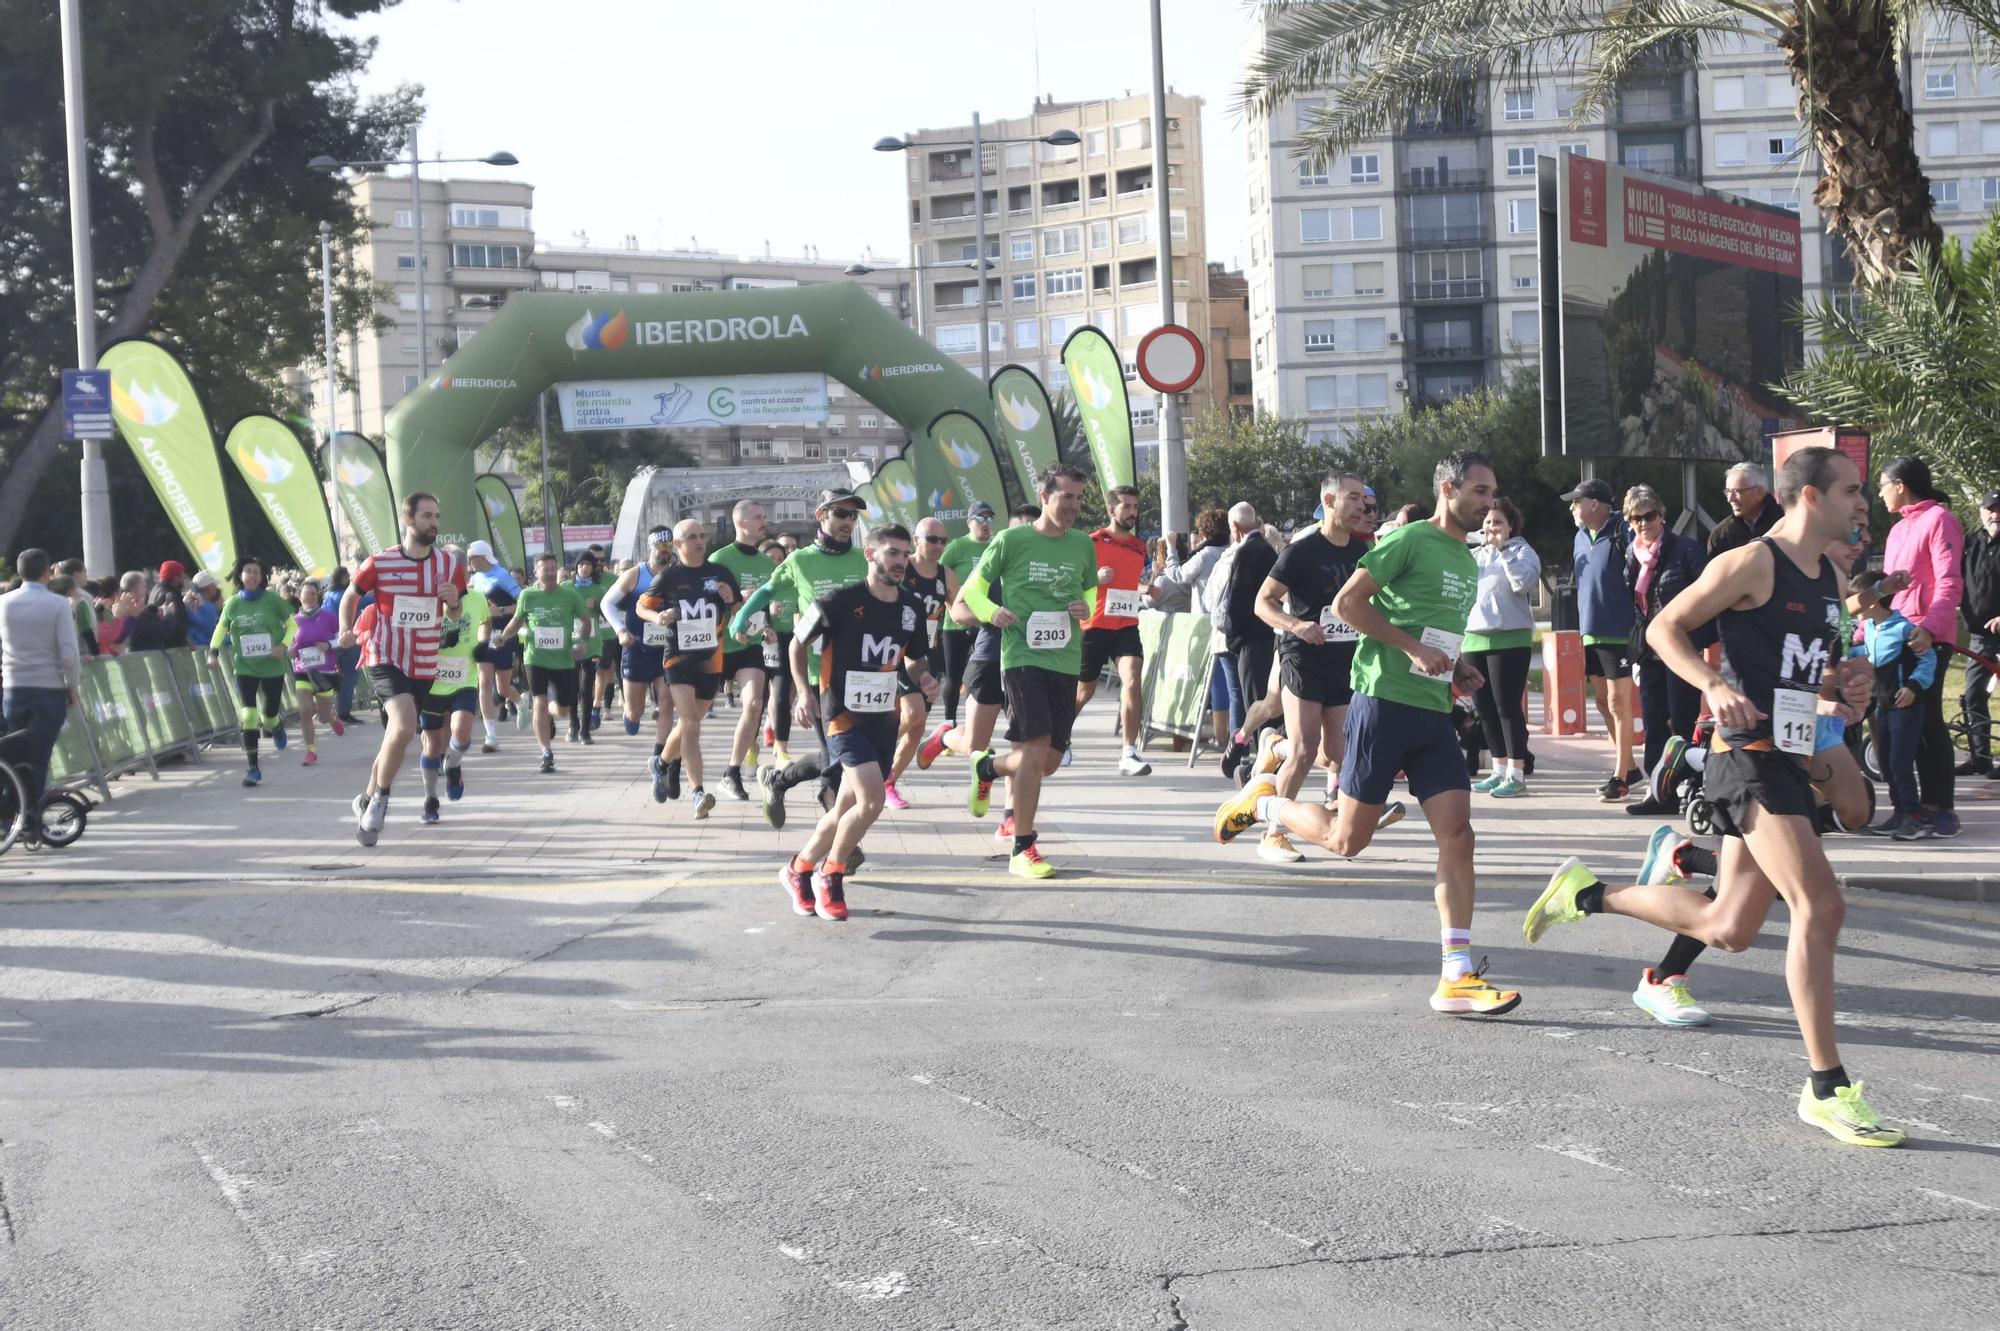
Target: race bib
<point>253,646</point>
<point>871,691</point>
<point>1794,721</point>
<point>1446,642</point>
<point>414,613</point>
<point>453,671</point>
<point>1048,630</point>
<point>771,661</point>
<point>698,635</point>
<point>550,639</point>
<point>656,635</point>
<point>1337,629</point>
<point>1126,605</point>
<point>313,657</point>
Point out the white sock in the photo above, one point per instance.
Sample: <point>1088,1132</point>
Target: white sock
<point>492,730</point>
<point>454,754</point>
<point>1269,807</point>
<point>1457,952</point>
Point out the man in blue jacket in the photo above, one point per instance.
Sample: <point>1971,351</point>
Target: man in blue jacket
<point>1605,614</point>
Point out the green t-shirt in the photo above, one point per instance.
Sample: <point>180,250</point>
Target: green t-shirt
<point>542,611</point>
<point>1040,575</point>
<point>751,571</point>
<point>263,624</point>
<point>591,596</point>
<point>1429,580</point>
<point>456,669</point>
<point>961,556</point>
<point>804,577</point>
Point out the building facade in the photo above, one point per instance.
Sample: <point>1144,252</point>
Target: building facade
<point>1228,370</point>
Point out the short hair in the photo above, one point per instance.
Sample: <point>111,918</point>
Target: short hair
<point>1862,581</point>
<point>1642,494</point>
<point>1512,515</point>
<point>741,507</point>
<point>414,500</point>
<point>1453,468</point>
<point>33,564</point>
<point>62,584</point>
<point>1243,514</point>
<point>1052,476</point>
<point>588,556</point>
<point>1807,467</point>
<point>1335,479</point>
<point>1750,470</point>
<point>1211,524</point>
<point>1118,492</point>
<point>888,531</point>
<point>72,566</point>
<point>1028,512</point>
<point>137,578</point>
<point>550,556</point>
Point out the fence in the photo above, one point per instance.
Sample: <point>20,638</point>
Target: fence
<point>1178,661</point>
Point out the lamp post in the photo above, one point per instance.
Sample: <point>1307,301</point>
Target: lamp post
<point>920,267</point>
<point>99,554</point>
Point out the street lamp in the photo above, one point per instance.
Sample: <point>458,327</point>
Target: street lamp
<point>1061,138</point>
<point>862,270</point>
<point>331,164</point>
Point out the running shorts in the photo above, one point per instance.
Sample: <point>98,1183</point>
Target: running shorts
<point>872,740</point>
<point>642,664</point>
<point>322,682</point>
<point>1384,738</point>
<point>982,682</point>
<point>501,658</point>
<point>1775,782</point>
<point>541,679</point>
<point>1318,677</point>
<point>1104,645</point>
<point>391,682</point>
<point>436,708</point>
<point>1607,660</point>
<point>748,658</point>
<point>1041,704</point>
<point>705,683</point>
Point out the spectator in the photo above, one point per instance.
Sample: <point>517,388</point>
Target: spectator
<point>1660,565</point>
<point>204,608</point>
<point>1753,509</point>
<point>1214,597</point>
<point>1982,620</point>
<point>40,666</point>
<point>1500,643</point>
<point>1247,637</point>
<point>119,625</point>
<point>347,659</point>
<point>169,605</point>
<point>1902,673</point>
<point>82,603</point>
<point>1605,614</point>
<point>1928,543</point>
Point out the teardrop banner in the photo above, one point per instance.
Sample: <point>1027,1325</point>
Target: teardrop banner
<point>1027,425</point>
<point>160,417</point>
<point>1097,379</point>
<point>361,483</point>
<point>965,452</point>
<point>896,482</point>
<point>503,521</point>
<point>274,464</point>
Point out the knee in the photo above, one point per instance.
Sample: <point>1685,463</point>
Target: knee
<point>1822,916</point>
<point>1732,936</point>
<point>1051,762</point>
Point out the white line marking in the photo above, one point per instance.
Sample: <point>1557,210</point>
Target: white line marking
<point>1963,1201</point>
<point>1578,1152</point>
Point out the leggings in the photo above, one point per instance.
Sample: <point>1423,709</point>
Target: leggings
<point>957,654</point>
<point>1936,757</point>
<point>780,692</point>
<point>249,689</point>
<point>1501,714</point>
<point>586,691</point>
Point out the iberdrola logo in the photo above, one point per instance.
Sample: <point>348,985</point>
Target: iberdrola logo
<point>1096,393</point>
<point>942,498</point>
<point>208,549</point>
<point>598,332</point>
<point>261,467</point>
<point>960,455</point>
<point>1019,413</point>
<point>904,492</point>
<point>142,404</point>
<point>494,508</point>
<point>353,474</point>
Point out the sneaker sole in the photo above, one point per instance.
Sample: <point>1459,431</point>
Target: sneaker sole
<point>829,917</point>
<point>1391,815</point>
<point>1661,838</point>
<point>1666,1020</point>
<point>1464,1007</point>
<point>1845,1138</point>
<point>1030,875</point>
<point>1276,856</point>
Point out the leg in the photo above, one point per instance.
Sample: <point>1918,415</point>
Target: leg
<point>545,726</point>
<point>1131,697</point>
<point>1030,761</point>
<point>859,805</point>
<point>1487,700</point>
<point>1654,707</point>
<point>1937,759</point>
<point>347,660</point>
<point>1839,781</point>
<point>1973,701</point>
<point>635,701</point>
<point>400,713</point>
<point>912,712</point>
<point>744,742</point>
<point>957,651</point>
<point>781,695</point>
<point>1449,814</point>
<point>1232,684</point>
<point>1903,730</point>
<point>1302,729</point>
<point>1333,739</point>
<point>1510,667</point>
<point>684,743</point>
<point>303,691</point>
<point>489,706</point>
<point>1623,708</point>
<point>40,712</point>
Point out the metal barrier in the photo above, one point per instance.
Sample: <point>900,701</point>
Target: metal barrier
<point>1178,662</point>
<point>137,708</point>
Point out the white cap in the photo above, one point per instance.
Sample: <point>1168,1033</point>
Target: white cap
<point>483,550</point>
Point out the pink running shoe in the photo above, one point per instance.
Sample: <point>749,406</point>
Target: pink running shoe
<point>894,797</point>
<point>339,726</point>
<point>310,760</point>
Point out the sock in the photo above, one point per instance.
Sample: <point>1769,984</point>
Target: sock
<point>986,772</point>
<point>492,731</point>
<point>1697,758</point>
<point>1007,812</point>
<point>309,747</point>
<point>800,864</point>
<point>1680,955</point>
<point>1825,1083</point>
<point>454,754</point>
<point>547,751</point>
<point>273,723</point>
<point>1269,807</point>
<point>659,749</point>
<point>382,793</point>
<point>1695,861</point>
<point>1021,843</point>
<point>736,770</point>
<point>1591,899</point>
<point>429,768</point>
<point>697,789</point>
<point>1129,751</point>
<point>1457,952</point>
<point>832,870</point>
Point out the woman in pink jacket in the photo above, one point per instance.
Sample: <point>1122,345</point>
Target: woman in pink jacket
<point>1927,542</point>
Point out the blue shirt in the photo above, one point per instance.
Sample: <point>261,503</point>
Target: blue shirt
<point>1603,602</point>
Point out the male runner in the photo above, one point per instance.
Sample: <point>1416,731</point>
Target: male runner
<point>1315,646</point>
<point>600,658</point>
<point>415,587</point>
<point>642,650</point>
<point>693,597</point>
<point>445,713</point>
<point>872,631</point>
<point>1778,599</point>
<point>1112,631</point>
<point>961,556</point>
<point>495,661</point>
<point>777,651</point>
<point>559,635</point>
<point>937,588</point>
<point>1409,598</point>
<point>744,660</point>
<point>1044,571</point>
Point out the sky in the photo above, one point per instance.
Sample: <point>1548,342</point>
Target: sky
<point>736,124</point>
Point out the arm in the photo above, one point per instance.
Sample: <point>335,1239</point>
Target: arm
<point>221,633</point>
<point>1925,673</point>
<point>739,623</point>
<point>1355,604</point>
<point>69,655</point>
<point>805,706</point>
<point>513,628</point>
<point>612,607</point>
<point>1940,613</point>
<point>963,614</point>
<point>1712,594</point>
<point>1271,609</point>
<point>1521,566</point>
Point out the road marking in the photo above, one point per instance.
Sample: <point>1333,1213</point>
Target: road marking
<point>1578,1152</point>
<point>1963,1201</point>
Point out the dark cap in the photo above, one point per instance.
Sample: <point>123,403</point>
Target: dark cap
<point>829,498</point>
<point>1992,499</point>
<point>1591,489</point>
<point>980,509</point>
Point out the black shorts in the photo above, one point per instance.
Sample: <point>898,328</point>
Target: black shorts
<point>1774,782</point>
<point>864,740</point>
<point>1607,660</point>
<point>390,683</point>
<point>318,681</point>
<point>607,654</point>
<point>543,678</point>
<point>1320,677</point>
<point>1103,645</point>
<point>695,674</point>
<point>982,683</point>
<point>436,708</point>
<point>1041,704</point>
<point>748,658</point>
<point>500,657</point>
<point>640,664</point>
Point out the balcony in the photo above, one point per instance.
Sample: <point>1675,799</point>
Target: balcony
<point>1446,237</point>
<point>1428,179</point>
<point>1473,348</point>
<point>1441,124</point>
<point>1457,288</point>
<point>1652,111</point>
<point>1680,168</point>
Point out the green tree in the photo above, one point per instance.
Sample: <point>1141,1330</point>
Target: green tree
<point>204,228</point>
<point>1259,459</point>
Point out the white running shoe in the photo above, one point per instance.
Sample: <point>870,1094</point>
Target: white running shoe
<point>703,803</point>
<point>1669,1002</point>
<point>372,819</point>
<point>1133,765</point>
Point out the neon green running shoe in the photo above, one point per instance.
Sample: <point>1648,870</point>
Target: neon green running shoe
<point>1557,904</point>
<point>1846,1117</point>
<point>979,793</point>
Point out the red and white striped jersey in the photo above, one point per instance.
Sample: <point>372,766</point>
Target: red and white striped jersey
<point>409,619</point>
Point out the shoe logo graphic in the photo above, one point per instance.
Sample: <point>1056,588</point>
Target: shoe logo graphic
<point>1092,388</point>
<point>261,467</point>
<point>142,404</point>
<point>1019,413</point>
<point>598,332</point>
<point>672,403</point>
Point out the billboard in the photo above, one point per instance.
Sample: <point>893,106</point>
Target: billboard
<point>694,400</point>
<point>1668,312</point>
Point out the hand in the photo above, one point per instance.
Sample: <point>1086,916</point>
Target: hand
<point>449,595</point>
<point>1921,641</point>
<point>1004,618</point>
<point>726,592</point>
<point>74,701</point>
<point>190,600</point>
<point>1905,696</point>
<point>670,615</point>
<point>626,640</point>
<point>930,688</point>
<point>1893,584</point>
<point>1730,708</point>
<point>806,710</point>
<point>576,650</point>
<point>215,659</point>
<point>1079,610</point>
<point>1103,575</point>
<point>770,635</point>
<point>1465,678</point>
<point>1993,624</point>
<point>1430,660</point>
<point>347,638</point>
<point>1856,688</point>
<point>1310,632</point>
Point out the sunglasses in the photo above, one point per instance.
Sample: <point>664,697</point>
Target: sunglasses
<point>933,540</point>
<point>843,514</point>
<point>1650,516</point>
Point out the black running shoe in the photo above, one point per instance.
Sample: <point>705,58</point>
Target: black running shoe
<point>774,798</point>
<point>732,781</point>
<point>548,763</point>
<point>673,780</point>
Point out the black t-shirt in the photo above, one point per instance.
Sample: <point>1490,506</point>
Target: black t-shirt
<point>931,591</point>
<point>863,636</point>
<point>1313,570</point>
<point>704,618</point>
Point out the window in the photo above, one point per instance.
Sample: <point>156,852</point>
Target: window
<point>486,256</point>
<point>1021,246</point>
<point>646,287</point>
<point>1941,83</point>
<point>681,286</point>
<point>812,450</point>
<point>1059,240</point>
<point>1941,140</point>
<point>1526,326</point>
<point>1345,335</point>
<point>1321,393</point>
<point>1727,94</point>
<point>1325,281</point>
<point>1520,104</point>
<point>1366,278</point>
<point>1133,134</point>
<point>1777,147</point>
<point>1320,225</point>
<point>868,421</point>
<point>1145,418</point>
<point>1307,111</point>
<point>1060,327</point>
<point>1521,161</point>
<point>621,284</point>
<point>1575,149</point>
<point>1521,217</point>
<point>466,214</point>
<point>1024,286</point>
<point>1177,225</point>
<point>1132,229</point>
<point>1524,271</point>
<point>1063,282</point>
<point>1944,195</point>
<point>1364,169</point>
<point>1334,392</point>
<point>1317,279</point>
<point>403,218</point>
<point>1025,334</point>
<point>1989,136</point>
<point>956,339</point>
<point>1093,142</point>
<point>409,383</point>
<point>406,262</point>
<point>1135,321</point>
<point>1989,190</point>
<point>1732,149</point>
<point>1018,155</point>
<point>1312,173</point>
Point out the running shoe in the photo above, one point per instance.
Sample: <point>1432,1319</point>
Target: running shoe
<point>704,803</point>
<point>339,726</point>
<point>572,735</point>
<point>548,766</point>
<point>430,813</point>
<point>774,798</point>
<point>893,797</point>
<point>732,782</point>
<point>1512,787</point>
<point>673,780</point>
<point>978,792</point>
<point>829,896</point>
<point>1233,754</point>
<point>1030,864</point>
<point>454,783</point>
<point>310,760</point>
<point>1486,786</point>
<point>373,819</point>
<point>1272,750</point>
<point>1658,866</point>
<point>489,746</point>
<point>658,767</point>
<point>1276,847</point>
<point>781,755</point>
<point>933,748</point>
<point>252,776</point>
<point>1238,813</point>
<point>1670,771</point>
<point>279,738</point>
<point>1651,807</point>
<point>1847,1117</point>
<point>1668,1001</point>
<point>596,718</point>
<point>631,727</point>
<point>1005,831</point>
<point>521,717</point>
<point>1392,813</point>
<point>1613,790</point>
<point>1945,825</point>
<point>1131,764</point>
<point>1068,755</point>
<point>589,737</point>
<point>1472,996</point>
<point>1905,827</point>
<point>1557,904</point>
<point>359,804</point>
<point>798,886</point>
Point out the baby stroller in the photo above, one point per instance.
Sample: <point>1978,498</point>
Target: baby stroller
<point>57,822</point>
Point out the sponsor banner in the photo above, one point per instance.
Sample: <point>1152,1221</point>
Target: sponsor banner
<point>1097,379</point>
<point>574,536</point>
<point>1711,228</point>
<point>896,483</point>
<point>361,485</point>
<point>1027,426</point>
<point>1588,203</point>
<point>275,466</point>
<point>503,521</point>
<point>160,416</point>
<point>964,454</point>
<point>651,404</point>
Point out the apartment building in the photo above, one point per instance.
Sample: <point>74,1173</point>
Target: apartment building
<point>1228,371</point>
<point>1071,235</point>
<point>1405,271</point>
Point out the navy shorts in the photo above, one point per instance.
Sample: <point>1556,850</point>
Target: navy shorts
<point>864,741</point>
<point>437,708</point>
<point>1384,738</point>
<point>500,658</point>
<point>642,664</point>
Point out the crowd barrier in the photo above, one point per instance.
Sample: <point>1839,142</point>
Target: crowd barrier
<point>1175,682</point>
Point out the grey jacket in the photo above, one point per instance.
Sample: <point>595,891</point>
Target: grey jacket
<point>1192,574</point>
<point>38,640</point>
<point>1507,579</point>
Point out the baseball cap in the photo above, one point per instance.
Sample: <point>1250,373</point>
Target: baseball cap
<point>829,498</point>
<point>1591,489</point>
<point>172,569</point>
<point>980,509</point>
<point>484,549</point>
<point>1992,499</point>
<point>204,579</point>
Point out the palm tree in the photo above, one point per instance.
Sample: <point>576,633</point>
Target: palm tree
<point>1398,59</point>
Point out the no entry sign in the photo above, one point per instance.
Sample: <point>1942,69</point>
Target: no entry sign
<point>1171,358</point>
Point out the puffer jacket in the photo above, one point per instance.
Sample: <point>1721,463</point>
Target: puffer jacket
<point>1929,542</point>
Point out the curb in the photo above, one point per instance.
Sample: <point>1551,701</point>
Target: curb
<point>1981,888</point>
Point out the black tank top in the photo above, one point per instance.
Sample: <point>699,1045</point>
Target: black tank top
<point>1788,642</point>
<point>932,591</point>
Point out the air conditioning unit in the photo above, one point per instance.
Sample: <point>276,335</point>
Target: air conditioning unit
<point>1402,384</point>
<point>1395,336</point>
<point>1173,122</point>
<point>949,159</point>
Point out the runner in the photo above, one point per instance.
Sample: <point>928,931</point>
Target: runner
<point>1315,648</point>
<point>961,556</point>
<point>600,660</point>
<point>643,647</point>
<point>778,651</point>
<point>315,674</point>
<point>258,626</point>
<point>445,714</point>
<point>415,586</point>
<point>1409,599</point>
<point>1778,599</point>
<point>871,630</point>
<point>744,661</point>
<point>1044,571</point>
<point>692,597</point>
<point>1112,631</point>
<point>560,634</point>
<point>496,660</point>
<point>937,588</point>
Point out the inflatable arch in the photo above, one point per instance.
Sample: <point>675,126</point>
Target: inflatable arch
<point>541,339</point>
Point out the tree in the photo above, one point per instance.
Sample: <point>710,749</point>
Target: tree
<point>1398,61</point>
<point>1259,459</point>
<point>204,226</point>
<point>589,470</point>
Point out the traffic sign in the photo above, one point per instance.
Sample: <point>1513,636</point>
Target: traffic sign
<point>1171,358</point>
<point>86,404</point>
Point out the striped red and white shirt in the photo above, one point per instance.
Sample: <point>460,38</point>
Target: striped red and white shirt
<point>409,618</point>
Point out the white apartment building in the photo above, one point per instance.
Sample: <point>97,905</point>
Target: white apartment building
<point>1406,271</point>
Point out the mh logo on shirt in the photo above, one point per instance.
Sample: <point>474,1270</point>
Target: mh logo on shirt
<point>1803,663</point>
<point>883,649</point>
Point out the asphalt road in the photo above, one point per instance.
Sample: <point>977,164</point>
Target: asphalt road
<point>569,1061</point>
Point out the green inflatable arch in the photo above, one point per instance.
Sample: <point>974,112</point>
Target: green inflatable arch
<point>541,339</point>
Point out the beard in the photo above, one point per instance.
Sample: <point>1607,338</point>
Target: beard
<point>423,538</point>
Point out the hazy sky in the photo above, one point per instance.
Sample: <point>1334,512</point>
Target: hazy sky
<point>742,123</point>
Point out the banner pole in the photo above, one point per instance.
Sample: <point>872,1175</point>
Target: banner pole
<point>334,508</point>
<point>1172,462</point>
<point>551,529</point>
